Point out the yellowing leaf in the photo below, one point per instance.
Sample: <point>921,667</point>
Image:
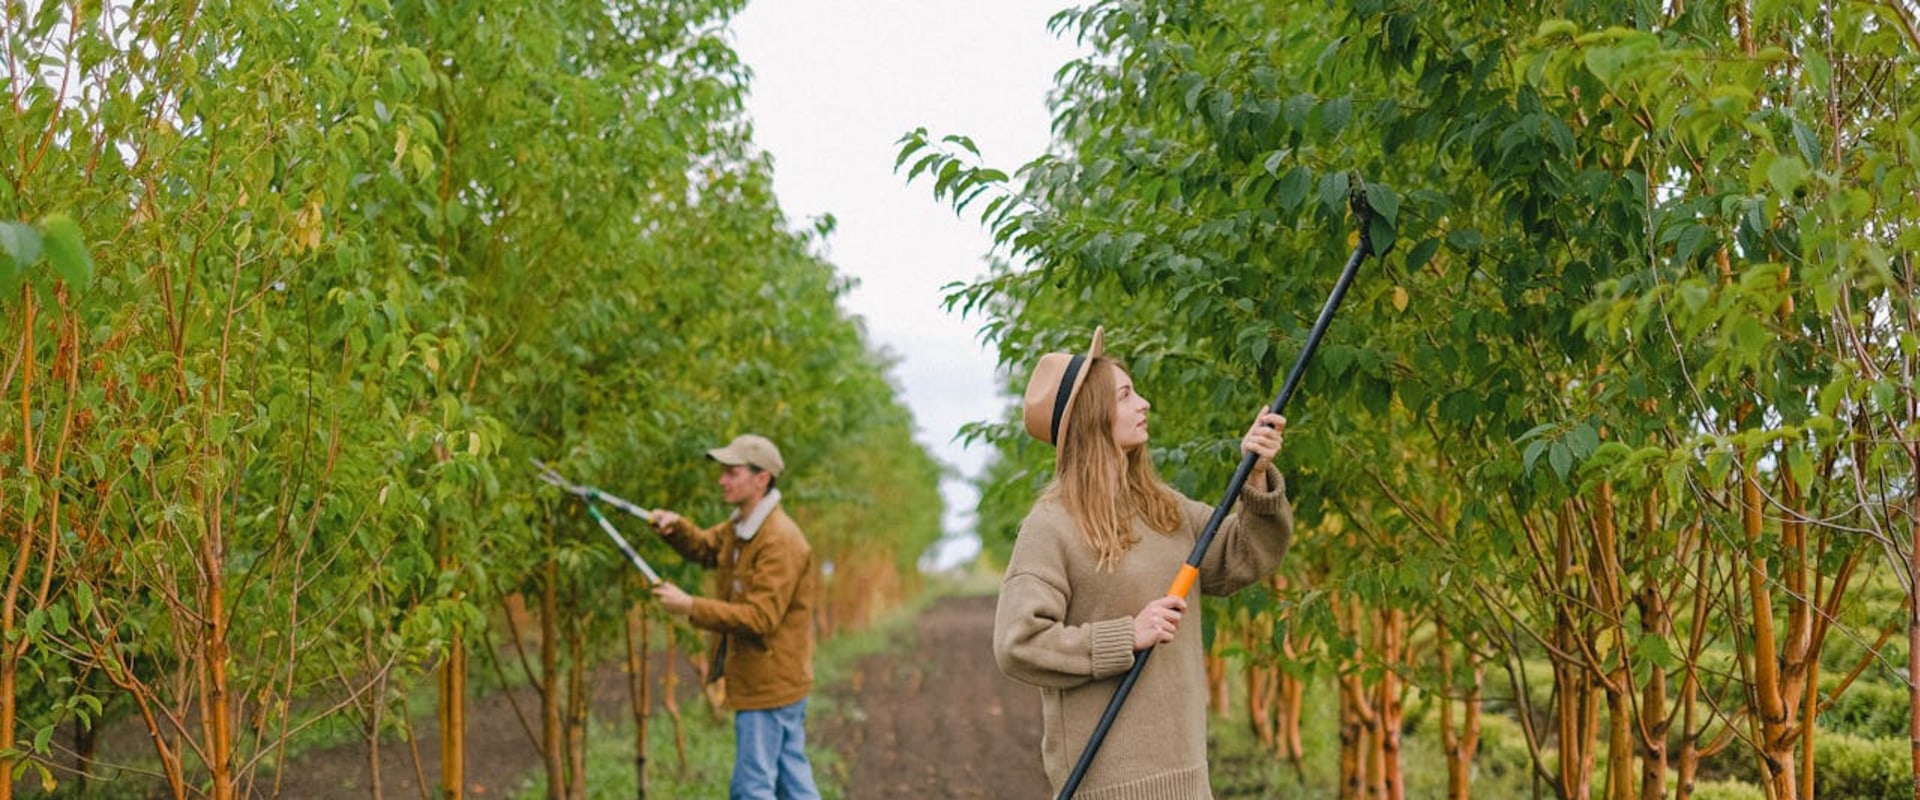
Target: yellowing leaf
<point>399,148</point>
<point>307,224</point>
<point>1399,298</point>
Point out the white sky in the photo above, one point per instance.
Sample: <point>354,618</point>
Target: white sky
<point>836,83</point>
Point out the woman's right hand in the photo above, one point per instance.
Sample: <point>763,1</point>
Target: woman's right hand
<point>1157,623</point>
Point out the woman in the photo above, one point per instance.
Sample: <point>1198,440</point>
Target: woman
<point>1086,585</point>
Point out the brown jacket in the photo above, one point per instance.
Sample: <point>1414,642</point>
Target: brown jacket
<point>1066,625</point>
<point>762,610</point>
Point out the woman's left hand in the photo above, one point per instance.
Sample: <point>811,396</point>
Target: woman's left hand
<point>1263,441</point>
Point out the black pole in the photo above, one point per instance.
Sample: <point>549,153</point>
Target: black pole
<point>1358,199</point>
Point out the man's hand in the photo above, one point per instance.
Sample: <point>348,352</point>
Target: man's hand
<point>663,520</point>
<point>674,599</point>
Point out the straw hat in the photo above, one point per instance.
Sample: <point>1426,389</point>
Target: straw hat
<point>1050,392</point>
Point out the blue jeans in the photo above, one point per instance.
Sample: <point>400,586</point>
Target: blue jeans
<point>770,757</point>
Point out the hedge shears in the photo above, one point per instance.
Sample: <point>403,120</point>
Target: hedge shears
<point>592,497</point>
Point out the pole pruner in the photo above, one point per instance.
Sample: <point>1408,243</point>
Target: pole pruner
<point>1183,582</point>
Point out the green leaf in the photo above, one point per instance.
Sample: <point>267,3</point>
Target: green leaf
<point>20,244</point>
<point>1422,254</point>
<point>1655,649</point>
<point>1293,187</point>
<point>1334,116</point>
<point>19,251</point>
<point>1787,174</point>
<point>1534,449</point>
<point>1801,462</point>
<point>1605,63</point>
<point>1561,458</point>
<point>1385,201</point>
<point>1555,28</point>
<point>1333,193</point>
<point>1219,106</point>
<point>67,250</point>
<point>1191,85</point>
<point>1582,439</point>
<point>1806,141</point>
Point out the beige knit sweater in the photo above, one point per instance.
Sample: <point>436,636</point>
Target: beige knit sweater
<point>1066,626</point>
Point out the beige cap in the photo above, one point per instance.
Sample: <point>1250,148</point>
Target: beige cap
<point>751,450</point>
<point>1056,381</point>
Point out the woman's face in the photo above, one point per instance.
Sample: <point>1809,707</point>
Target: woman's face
<point>1129,413</point>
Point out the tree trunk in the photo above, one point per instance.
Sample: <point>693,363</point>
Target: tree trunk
<point>552,746</point>
<point>219,722</point>
<point>1913,627</point>
<point>453,719</point>
<point>1576,699</point>
<point>1393,624</point>
<point>670,698</point>
<point>1654,718</point>
<point>1459,740</point>
<point>1261,705</point>
<point>1218,699</point>
<point>1608,589</point>
<point>374,715</point>
<point>1292,691</point>
<point>9,669</point>
<point>637,631</point>
<point>1773,707</point>
<point>1357,721</point>
<point>11,652</point>
<point>453,681</point>
<point>1353,772</point>
<point>577,711</point>
<point>1687,759</point>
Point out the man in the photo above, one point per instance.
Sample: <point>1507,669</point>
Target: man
<point>763,617</point>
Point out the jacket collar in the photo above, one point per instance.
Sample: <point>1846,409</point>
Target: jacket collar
<point>746,528</point>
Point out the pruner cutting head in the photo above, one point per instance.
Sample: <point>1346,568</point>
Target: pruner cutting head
<point>1362,210</point>
<point>552,477</point>
<point>587,493</point>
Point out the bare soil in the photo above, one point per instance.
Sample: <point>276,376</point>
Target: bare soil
<point>938,720</point>
<point>930,718</point>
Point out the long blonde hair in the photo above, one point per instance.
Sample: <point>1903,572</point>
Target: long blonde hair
<point>1102,486</point>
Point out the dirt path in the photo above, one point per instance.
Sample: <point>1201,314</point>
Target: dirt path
<point>939,720</point>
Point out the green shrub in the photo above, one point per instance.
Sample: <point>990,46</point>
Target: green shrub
<point>1862,769</point>
<point>1727,790</point>
<point>1503,747</point>
<point>1869,710</point>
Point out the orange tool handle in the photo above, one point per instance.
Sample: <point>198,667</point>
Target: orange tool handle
<point>1183,582</point>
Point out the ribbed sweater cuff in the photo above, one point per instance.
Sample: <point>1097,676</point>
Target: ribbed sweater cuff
<point>1112,647</point>
<point>1185,784</point>
<point>1269,503</point>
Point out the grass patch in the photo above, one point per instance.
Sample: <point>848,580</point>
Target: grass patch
<point>1244,770</point>
<point>709,734</point>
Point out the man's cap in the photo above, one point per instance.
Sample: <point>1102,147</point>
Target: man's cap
<point>750,450</point>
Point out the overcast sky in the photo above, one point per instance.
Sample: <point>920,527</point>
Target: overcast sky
<point>836,83</point>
